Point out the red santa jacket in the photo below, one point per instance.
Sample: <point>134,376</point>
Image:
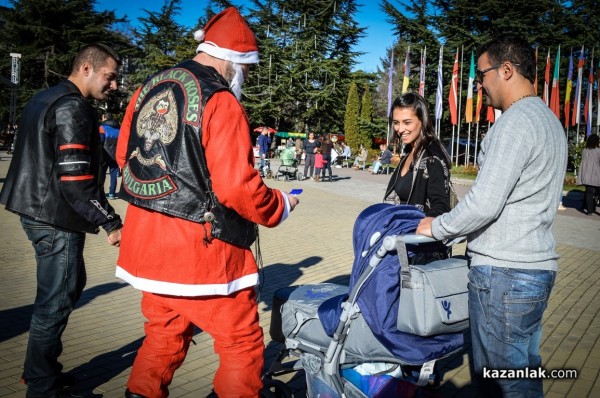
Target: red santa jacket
<point>165,254</point>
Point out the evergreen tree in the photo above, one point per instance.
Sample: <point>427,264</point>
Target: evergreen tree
<point>48,34</point>
<point>161,42</point>
<point>367,128</point>
<point>351,120</point>
<point>307,57</point>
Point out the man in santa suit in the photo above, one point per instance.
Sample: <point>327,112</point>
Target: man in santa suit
<point>195,202</point>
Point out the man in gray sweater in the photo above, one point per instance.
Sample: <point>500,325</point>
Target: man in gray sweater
<point>507,217</point>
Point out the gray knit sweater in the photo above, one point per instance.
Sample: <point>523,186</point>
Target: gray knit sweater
<point>508,213</point>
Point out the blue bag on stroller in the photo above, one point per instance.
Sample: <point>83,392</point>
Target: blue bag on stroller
<point>335,330</point>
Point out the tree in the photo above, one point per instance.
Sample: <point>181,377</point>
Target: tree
<point>306,48</point>
<point>48,34</point>
<point>161,42</point>
<point>351,119</point>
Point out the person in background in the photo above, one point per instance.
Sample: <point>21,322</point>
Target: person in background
<point>589,173</point>
<point>298,146</point>
<point>385,157</point>
<point>507,217</point>
<point>194,205</point>
<point>319,163</point>
<point>109,132</point>
<point>59,198</point>
<point>264,144</point>
<point>346,152</point>
<point>361,157</point>
<point>422,178</point>
<point>310,148</point>
<point>327,148</point>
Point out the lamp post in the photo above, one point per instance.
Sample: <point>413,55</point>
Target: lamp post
<point>14,78</point>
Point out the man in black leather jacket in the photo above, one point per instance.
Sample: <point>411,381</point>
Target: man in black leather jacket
<point>53,184</point>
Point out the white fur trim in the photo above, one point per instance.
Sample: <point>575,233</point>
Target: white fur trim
<point>288,207</point>
<point>199,35</point>
<point>226,54</point>
<point>182,289</point>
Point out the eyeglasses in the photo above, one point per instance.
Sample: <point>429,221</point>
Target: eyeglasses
<point>480,73</point>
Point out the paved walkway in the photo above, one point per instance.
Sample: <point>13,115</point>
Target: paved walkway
<point>313,246</point>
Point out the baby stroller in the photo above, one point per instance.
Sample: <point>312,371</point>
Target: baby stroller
<point>346,339</point>
<point>289,166</point>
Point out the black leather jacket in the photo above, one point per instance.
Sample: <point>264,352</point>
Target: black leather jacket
<point>54,174</point>
<point>431,182</point>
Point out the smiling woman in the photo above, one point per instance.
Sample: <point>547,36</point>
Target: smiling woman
<point>422,178</point>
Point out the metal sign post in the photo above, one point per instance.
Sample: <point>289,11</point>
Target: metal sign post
<point>15,74</point>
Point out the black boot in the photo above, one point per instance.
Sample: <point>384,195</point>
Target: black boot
<point>129,394</point>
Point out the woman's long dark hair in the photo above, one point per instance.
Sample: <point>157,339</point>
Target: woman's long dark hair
<point>419,105</point>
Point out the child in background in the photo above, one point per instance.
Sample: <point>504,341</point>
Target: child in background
<point>319,163</point>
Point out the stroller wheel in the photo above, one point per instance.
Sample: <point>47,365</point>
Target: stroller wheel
<point>275,389</point>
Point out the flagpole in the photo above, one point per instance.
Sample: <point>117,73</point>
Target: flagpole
<point>579,90</point>
<point>390,90</point>
<point>476,141</point>
<point>459,102</point>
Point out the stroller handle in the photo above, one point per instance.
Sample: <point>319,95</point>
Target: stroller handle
<point>389,242</point>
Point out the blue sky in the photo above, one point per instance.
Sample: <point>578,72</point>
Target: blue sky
<point>378,34</point>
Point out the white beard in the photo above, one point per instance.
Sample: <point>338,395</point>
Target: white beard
<point>237,80</point>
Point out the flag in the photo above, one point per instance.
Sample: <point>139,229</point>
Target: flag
<point>598,92</point>
<point>587,109</point>
<point>567,109</point>
<point>479,104</point>
<point>535,83</point>
<point>439,93</point>
<point>453,94</point>
<point>554,99</point>
<point>406,71</point>
<point>422,76</point>
<point>577,102</point>
<point>491,115</point>
<point>469,107</point>
<point>546,93</point>
<point>391,83</point>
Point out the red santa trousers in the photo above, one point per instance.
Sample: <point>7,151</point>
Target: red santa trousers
<point>231,320</point>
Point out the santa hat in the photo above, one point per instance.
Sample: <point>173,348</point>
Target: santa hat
<point>227,36</point>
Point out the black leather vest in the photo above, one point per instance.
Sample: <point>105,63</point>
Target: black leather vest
<point>166,167</point>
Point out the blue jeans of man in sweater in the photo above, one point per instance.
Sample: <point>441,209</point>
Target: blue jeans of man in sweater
<point>506,306</point>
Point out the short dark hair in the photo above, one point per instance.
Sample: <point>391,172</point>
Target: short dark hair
<point>592,141</point>
<point>108,116</point>
<point>96,54</point>
<point>511,48</point>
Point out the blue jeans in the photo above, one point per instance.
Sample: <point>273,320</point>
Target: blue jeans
<point>376,166</point>
<point>61,278</point>
<point>506,306</point>
<point>114,174</point>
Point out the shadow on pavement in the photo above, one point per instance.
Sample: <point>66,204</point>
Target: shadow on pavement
<point>573,200</point>
<point>104,367</point>
<point>19,318</point>
<point>278,275</point>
